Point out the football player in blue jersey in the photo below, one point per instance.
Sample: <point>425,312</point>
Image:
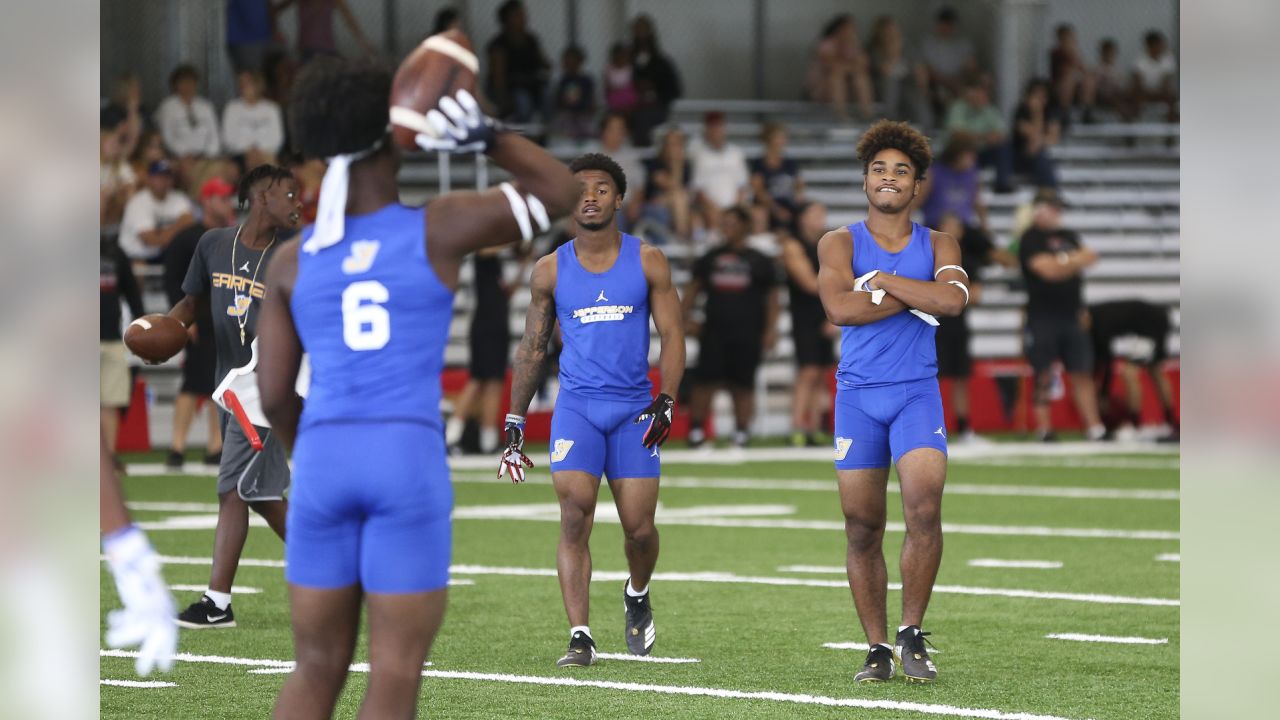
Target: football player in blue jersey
<point>367,293</point>
<point>883,281</point>
<point>601,287</point>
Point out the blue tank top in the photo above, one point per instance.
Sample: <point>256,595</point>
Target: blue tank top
<point>604,320</point>
<point>899,348</point>
<point>374,319</point>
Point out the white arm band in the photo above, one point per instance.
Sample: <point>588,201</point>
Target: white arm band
<point>961,285</point>
<point>520,209</point>
<point>948,267</point>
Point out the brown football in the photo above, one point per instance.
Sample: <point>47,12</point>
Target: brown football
<point>441,65</point>
<point>155,338</point>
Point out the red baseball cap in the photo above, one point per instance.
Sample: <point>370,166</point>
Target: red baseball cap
<point>216,187</point>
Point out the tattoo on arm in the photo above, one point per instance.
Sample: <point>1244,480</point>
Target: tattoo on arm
<point>526,371</point>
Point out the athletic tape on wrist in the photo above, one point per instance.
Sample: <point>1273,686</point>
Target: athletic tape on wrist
<point>961,285</point>
<point>517,419</point>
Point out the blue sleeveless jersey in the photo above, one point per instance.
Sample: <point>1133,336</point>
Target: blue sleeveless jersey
<point>374,319</point>
<point>604,320</point>
<point>899,348</point>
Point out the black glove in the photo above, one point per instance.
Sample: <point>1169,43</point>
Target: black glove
<point>659,416</point>
<point>514,460</point>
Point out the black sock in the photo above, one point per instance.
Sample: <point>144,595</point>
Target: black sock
<point>962,424</point>
<point>1135,419</point>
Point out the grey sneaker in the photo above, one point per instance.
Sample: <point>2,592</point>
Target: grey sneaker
<point>878,667</point>
<point>912,655</point>
<point>640,630</point>
<point>581,652</point>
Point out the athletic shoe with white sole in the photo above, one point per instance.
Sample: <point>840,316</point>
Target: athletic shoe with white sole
<point>912,655</point>
<point>581,652</point>
<point>205,614</point>
<point>640,630</point>
<point>878,667</point>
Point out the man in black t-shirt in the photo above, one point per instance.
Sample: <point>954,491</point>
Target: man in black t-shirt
<point>741,324</point>
<point>1149,325</point>
<point>1053,262</point>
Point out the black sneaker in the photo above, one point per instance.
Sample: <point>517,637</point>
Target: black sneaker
<point>581,652</point>
<point>205,614</point>
<point>173,460</point>
<point>878,667</point>
<point>639,615</point>
<point>213,458</point>
<point>697,436</point>
<point>1048,437</point>
<point>910,651</point>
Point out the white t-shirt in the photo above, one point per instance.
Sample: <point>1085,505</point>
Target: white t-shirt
<point>145,212</point>
<point>719,174</point>
<point>1152,72</point>
<point>258,126</point>
<point>188,129</point>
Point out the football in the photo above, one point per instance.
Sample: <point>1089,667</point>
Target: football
<point>155,338</point>
<point>441,65</point>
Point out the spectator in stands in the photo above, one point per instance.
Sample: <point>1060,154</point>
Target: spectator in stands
<point>740,325</point>
<point>901,83</point>
<point>953,187</point>
<point>1037,126</point>
<point>154,216</point>
<point>117,180</point>
<point>615,141</point>
<point>666,206</point>
<point>811,334</point>
<point>949,59</point>
<point>251,30</point>
<point>518,69</point>
<point>315,27</point>
<point>116,282</point>
<point>1155,76</point>
<point>149,149</point>
<point>720,175</point>
<point>840,69</point>
<point>252,125</point>
<point>574,103</point>
<point>125,107</point>
<point>447,18</point>
<point>1073,83</point>
<point>973,113</point>
<point>657,81</point>
<point>1149,324</point>
<point>189,126</point>
<point>776,186</point>
<point>200,359</point>
<point>620,95</point>
<point>1053,262</point>
<point>1108,78</point>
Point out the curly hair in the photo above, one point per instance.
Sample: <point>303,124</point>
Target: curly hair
<point>339,106</point>
<point>900,136</point>
<point>602,162</point>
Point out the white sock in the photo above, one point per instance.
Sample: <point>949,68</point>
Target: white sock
<point>220,599</point>
<point>489,439</point>
<point>632,592</point>
<point>453,430</point>
<point>886,646</point>
<point>580,628</point>
<point>903,627</point>
<point>1097,432</point>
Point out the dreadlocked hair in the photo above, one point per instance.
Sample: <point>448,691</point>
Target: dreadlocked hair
<point>900,136</point>
<point>339,106</point>
<point>270,174</point>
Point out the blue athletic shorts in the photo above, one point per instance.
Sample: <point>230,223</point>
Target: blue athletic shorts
<point>601,437</point>
<point>370,505</point>
<point>877,424</point>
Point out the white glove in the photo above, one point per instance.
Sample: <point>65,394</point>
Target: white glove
<point>925,316</point>
<point>148,615</point>
<point>860,285</point>
<point>466,129</point>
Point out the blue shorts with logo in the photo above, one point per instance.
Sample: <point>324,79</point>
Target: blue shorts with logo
<point>370,504</point>
<point>601,438</point>
<point>876,425</point>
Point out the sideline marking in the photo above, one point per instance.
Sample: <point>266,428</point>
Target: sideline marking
<point>1170,557</point>
<point>235,589</point>
<point>1024,564</point>
<point>647,658</point>
<point>1079,637</point>
<point>137,683</point>
<point>561,681</point>
<point>862,646</point>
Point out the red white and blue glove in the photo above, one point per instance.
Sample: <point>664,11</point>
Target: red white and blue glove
<point>659,415</point>
<point>514,461</point>
<point>147,619</point>
<point>458,127</point>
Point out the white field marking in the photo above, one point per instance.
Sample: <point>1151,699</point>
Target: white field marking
<point>722,577</point>
<point>247,562</point>
<point>174,507</point>
<point>137,683</point>
<point>1169,557</point>
<point>816,569</point>
<point>724,693</point>
<point>271,671</point>
<point>1080,462</point>
<point>1021,564</point>
<point>235,589</point>
<point>1108,639</point>
<point>646,658</point>
<point>193,522</point>
<point>854,646</point>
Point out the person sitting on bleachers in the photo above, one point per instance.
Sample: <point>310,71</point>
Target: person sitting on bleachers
<point>840,68</point>
<point>1037,126</point>
<point>973,113</point>
<point>189,126</point>
<point>517,66</point>
<point>720,175</point>
<point>1108,79</point>
<point>1155,76</point>
<point>901,82</point>
<point>574,98</point>
<point>665,205</point>
<point>776,185</point>
<point>615,141</point>
<point>657,81</point>
<point>949,58</point>
<point>1073,83</point>
<point>620,95</point>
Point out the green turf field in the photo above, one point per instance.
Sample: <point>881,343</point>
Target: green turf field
<point>751,584</point>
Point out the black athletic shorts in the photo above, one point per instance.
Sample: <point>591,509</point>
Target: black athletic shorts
<point>1049,339</point>
<point>200,365</point>
<point>730,358</point>
<point>490,344</point>
<point>813,347</point>
<point>952,338</point>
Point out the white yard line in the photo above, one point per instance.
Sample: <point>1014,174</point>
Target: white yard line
<point>173,506</point>
<point>724,693</point>
<point>1108,639</point>
<point>1016,564</point>
<point>862,646</point>
<point>1169,557</point>
<point>816,569</point>
<point>646,658</point>
<point>137,683</point>
<point>235,589</point>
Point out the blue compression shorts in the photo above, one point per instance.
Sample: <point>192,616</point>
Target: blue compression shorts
<point>875,425</point>
<point>370,505</point>
<point>601,438</point>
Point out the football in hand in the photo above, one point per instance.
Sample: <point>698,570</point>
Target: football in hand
<point>155,338</point>
<point>442,65</point>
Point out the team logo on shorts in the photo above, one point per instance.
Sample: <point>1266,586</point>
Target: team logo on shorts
<point>842,447</point>
<point>560,450</point>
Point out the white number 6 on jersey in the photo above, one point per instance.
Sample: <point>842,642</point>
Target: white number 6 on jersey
<point>366,325</point>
